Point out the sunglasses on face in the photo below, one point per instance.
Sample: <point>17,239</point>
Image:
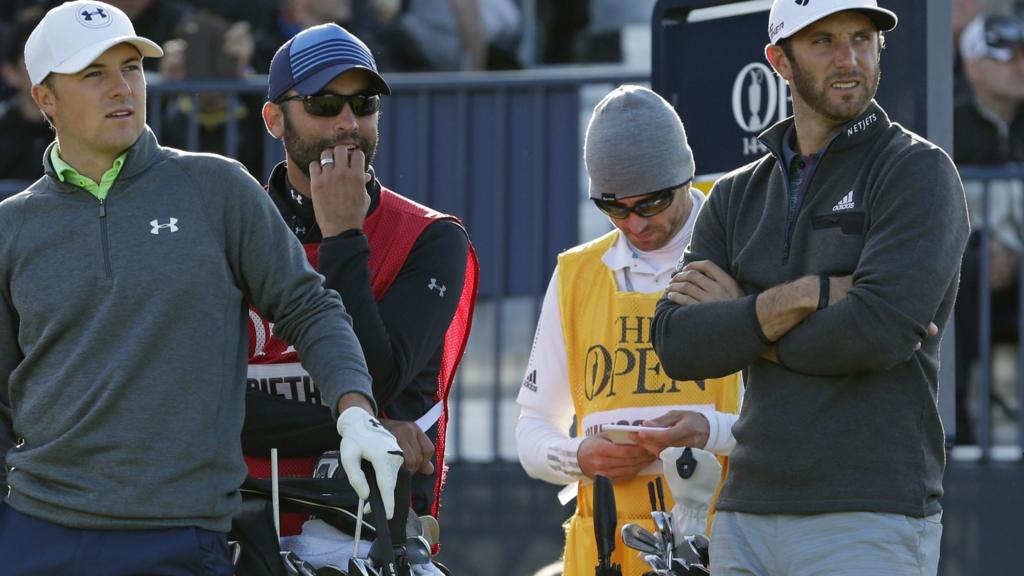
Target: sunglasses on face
<point>652,206</point>
<point>329,104</point>
<point>1003,33</point>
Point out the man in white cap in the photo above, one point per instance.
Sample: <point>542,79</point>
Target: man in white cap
<point>845,240</point>
<point>126,273</point>
<point>592,358</point>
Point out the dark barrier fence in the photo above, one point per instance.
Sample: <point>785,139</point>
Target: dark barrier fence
<point>996,199</point>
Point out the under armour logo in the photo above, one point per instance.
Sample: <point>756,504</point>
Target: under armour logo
<point>374,423</point>
<point>88,15</point>
<point>802,2</point>
<point>171,225</point>
<point>440,287</point>
<point>93,16</point>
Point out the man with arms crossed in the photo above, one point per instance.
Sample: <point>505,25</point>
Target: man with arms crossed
<point>126,271</point>
<point>837,250</point>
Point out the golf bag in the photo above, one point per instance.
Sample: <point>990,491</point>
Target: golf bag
<point>333,501</point>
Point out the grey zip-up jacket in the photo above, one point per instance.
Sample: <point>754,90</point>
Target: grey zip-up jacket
<point>124,332</point>
<point>848,420</point>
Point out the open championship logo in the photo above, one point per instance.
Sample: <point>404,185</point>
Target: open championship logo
<point>759,99</point>
<point>93,16</point>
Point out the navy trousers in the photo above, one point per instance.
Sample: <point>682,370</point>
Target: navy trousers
<point>30,547</point>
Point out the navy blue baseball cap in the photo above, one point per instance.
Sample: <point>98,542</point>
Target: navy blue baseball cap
<point>315,56</point>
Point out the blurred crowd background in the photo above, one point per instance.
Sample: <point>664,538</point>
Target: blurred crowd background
<point>235,39</point>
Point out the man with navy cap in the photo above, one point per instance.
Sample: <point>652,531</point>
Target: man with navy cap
<point>126,270</point>
<point>845,240</point>
<point>406,273</point>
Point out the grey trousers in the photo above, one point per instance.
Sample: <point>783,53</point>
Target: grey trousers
<point>853,543</point>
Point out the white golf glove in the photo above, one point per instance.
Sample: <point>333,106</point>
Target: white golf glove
<point>363,437</point>
<point>692,495</point>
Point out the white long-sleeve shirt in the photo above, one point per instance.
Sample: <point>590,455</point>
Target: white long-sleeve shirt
<point>546,450</point>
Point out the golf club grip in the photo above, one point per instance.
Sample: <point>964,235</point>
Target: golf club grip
<point>380,519</point>
<point>604,519</point>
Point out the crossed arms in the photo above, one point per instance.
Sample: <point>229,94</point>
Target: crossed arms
<point>877,314</point>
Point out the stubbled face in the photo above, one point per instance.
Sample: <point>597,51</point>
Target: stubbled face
<point>656,231</point>
<point>306,136</point>
<point>100,110</point>
<point>835,69</point>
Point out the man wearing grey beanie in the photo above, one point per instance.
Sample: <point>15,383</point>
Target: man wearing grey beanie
<point>592,356</point>
<point>840,251</point>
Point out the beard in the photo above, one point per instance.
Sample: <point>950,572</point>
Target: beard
<point>815,94</point>
<point>303,151</point>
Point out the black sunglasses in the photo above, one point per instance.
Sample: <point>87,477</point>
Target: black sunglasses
<point>1003,32</point>
<point>645,208</point>
<point>329,104</point>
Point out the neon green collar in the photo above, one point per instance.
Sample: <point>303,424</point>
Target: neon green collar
<point>67,173</point>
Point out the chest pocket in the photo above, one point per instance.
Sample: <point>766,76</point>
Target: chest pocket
<point>847,222</point>
<point>836,241</point>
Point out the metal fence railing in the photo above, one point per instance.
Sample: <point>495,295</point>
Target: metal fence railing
<point>996,202</point>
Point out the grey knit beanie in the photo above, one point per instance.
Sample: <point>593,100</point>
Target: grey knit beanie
<point>635,145</point>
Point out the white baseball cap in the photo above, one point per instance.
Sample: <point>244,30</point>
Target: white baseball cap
<point>74,34</point>
<point>787,17</point>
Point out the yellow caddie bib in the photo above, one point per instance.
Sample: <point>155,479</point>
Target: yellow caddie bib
<point>616,378</point>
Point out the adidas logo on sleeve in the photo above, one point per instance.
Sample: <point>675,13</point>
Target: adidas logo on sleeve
<point>845,203</point>
<point>530,382</point>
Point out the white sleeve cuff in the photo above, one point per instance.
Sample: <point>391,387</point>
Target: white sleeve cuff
<point>562,457</point>
<point>720,438</point>
<point>546,452</point>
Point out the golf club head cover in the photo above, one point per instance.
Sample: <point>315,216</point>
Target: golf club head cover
<point>692,476</point>
<point>363,437</point>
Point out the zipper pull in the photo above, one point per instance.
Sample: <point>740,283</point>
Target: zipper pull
<point>103,209</point>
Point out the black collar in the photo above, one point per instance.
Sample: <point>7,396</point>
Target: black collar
<point>872,121</point>
<point>297,210</point>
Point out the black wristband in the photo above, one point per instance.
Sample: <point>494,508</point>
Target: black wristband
<point>823,289</point>
<point>350,233</point>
